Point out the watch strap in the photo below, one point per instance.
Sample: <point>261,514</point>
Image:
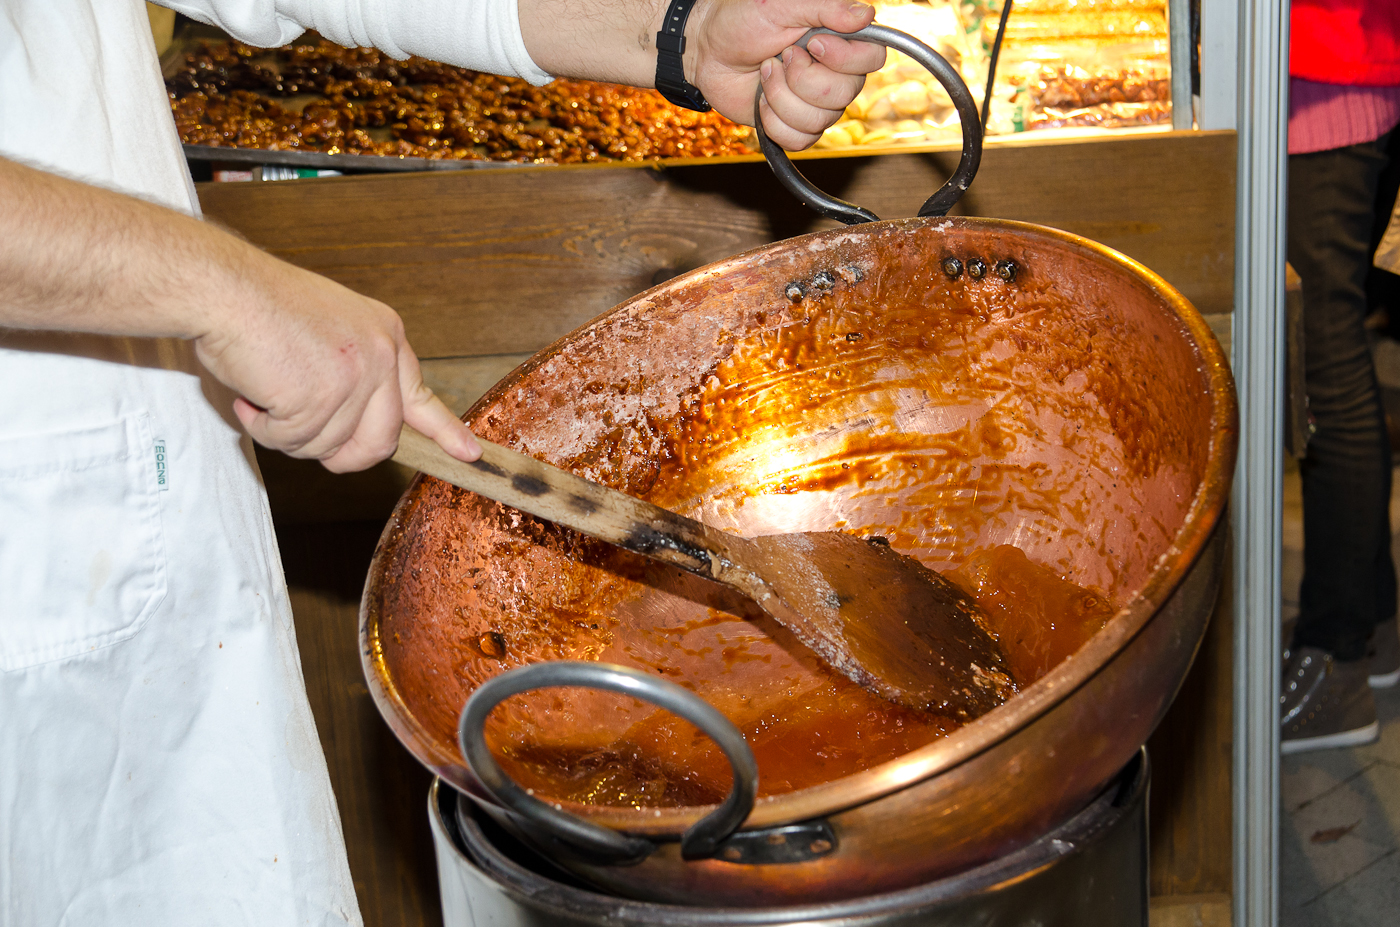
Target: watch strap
<point>670,71</point>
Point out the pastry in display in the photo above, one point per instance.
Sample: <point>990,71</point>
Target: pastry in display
<point>1072,88</point>
<point>1112,25</point>
<point>1071,97</point>
<point>1074,6</point>
<point>1082,63</point>
<point>1063,64</point>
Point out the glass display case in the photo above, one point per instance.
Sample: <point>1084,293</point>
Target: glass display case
<point>1061,64</point>
<point>1067,65</point>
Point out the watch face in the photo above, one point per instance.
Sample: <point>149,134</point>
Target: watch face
<point>694,99</point>
<point>686,95</point>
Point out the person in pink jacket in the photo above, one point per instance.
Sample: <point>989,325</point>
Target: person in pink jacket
<point>1344,106</point>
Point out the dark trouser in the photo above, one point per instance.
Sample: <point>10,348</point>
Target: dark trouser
<point>1348,576</point>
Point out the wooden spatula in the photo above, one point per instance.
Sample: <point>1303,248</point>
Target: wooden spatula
<point>878,617</point>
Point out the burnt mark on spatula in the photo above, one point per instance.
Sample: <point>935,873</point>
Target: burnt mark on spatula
<point>581,504</point>
<point>645,539</point>
<point>488,468</point>
<point>528,485</point>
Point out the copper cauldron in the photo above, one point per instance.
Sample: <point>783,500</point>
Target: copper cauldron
<point>951,384</point>
<point>1081,411</point>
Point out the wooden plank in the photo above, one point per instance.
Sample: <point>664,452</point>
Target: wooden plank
<point>381,790</point>
<point>1210,910</point>
<point>502,265</point>
<point>504,262</point>
<point>1190,811</point>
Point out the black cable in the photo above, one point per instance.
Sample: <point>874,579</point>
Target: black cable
<point>992,64</point>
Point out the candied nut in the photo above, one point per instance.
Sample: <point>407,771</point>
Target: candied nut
<point>221,94</point>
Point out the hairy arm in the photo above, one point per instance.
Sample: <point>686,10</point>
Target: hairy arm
<point>731,47</point>
<point>323,372</point>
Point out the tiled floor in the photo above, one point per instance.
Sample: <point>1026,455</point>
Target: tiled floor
<point>1339,835</point>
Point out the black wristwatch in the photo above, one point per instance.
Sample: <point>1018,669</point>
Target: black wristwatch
<point>670,72</point>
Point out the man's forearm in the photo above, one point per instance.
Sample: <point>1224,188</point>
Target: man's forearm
<point>321,371</point>
<point>74,257</point>
<point>595,39</point>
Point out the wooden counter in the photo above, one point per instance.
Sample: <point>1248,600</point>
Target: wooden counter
<point>496,262</point>
<point>488,266</point>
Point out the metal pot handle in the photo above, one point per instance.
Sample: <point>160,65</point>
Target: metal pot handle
<point>948,194</point>
<point>701,839</point>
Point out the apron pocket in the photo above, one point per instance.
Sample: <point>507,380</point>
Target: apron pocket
<point>82,553</point>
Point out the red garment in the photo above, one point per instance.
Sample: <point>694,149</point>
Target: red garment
<point>1354,42</point>
<point>1326,116</point>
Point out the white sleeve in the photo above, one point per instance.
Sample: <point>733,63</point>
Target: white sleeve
<point>480,34</point>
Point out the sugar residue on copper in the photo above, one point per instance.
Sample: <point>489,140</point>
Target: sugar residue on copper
<point>952,417</point>
<point>973,410</point>
<point>1039,618</point>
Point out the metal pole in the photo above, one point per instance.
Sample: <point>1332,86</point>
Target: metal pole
<point>1179,44</point>
<point>1258,345</point>
<point>1219,102</point>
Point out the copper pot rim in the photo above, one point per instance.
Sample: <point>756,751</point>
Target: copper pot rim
<point>965,744</point>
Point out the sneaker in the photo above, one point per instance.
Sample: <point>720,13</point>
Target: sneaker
<point>1325,703</point>
<point>1383,655</point>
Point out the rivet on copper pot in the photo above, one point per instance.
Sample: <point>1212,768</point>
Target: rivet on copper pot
<point>952,267</point>
<point>824,281</point>
<point>850,273</point>
<point>776,840</point>
<point>1006,270</point>
<point>820,846</point>
<point>976,269</point>
<point>732,854</point>
<point>794,291</point>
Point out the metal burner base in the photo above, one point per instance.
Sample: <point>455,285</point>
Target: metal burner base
<point>1090,870</point>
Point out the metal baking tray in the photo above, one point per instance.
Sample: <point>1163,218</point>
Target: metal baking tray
<point>347,163</point>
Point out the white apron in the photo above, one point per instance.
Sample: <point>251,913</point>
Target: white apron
<point>159,764</point>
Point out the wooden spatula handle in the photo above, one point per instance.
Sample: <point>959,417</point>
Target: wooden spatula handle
<point>540,489</point>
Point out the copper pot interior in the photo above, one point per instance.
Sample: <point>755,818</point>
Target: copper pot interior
<point>845,381</point>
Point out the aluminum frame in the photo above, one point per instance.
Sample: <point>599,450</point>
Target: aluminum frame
<point>1258,359</point>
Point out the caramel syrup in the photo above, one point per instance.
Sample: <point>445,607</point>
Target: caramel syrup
<point>813,736</point>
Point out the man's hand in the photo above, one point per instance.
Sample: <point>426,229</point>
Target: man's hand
<point>323,372</point>
<point>731,45</point>
<point>804,92</point>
